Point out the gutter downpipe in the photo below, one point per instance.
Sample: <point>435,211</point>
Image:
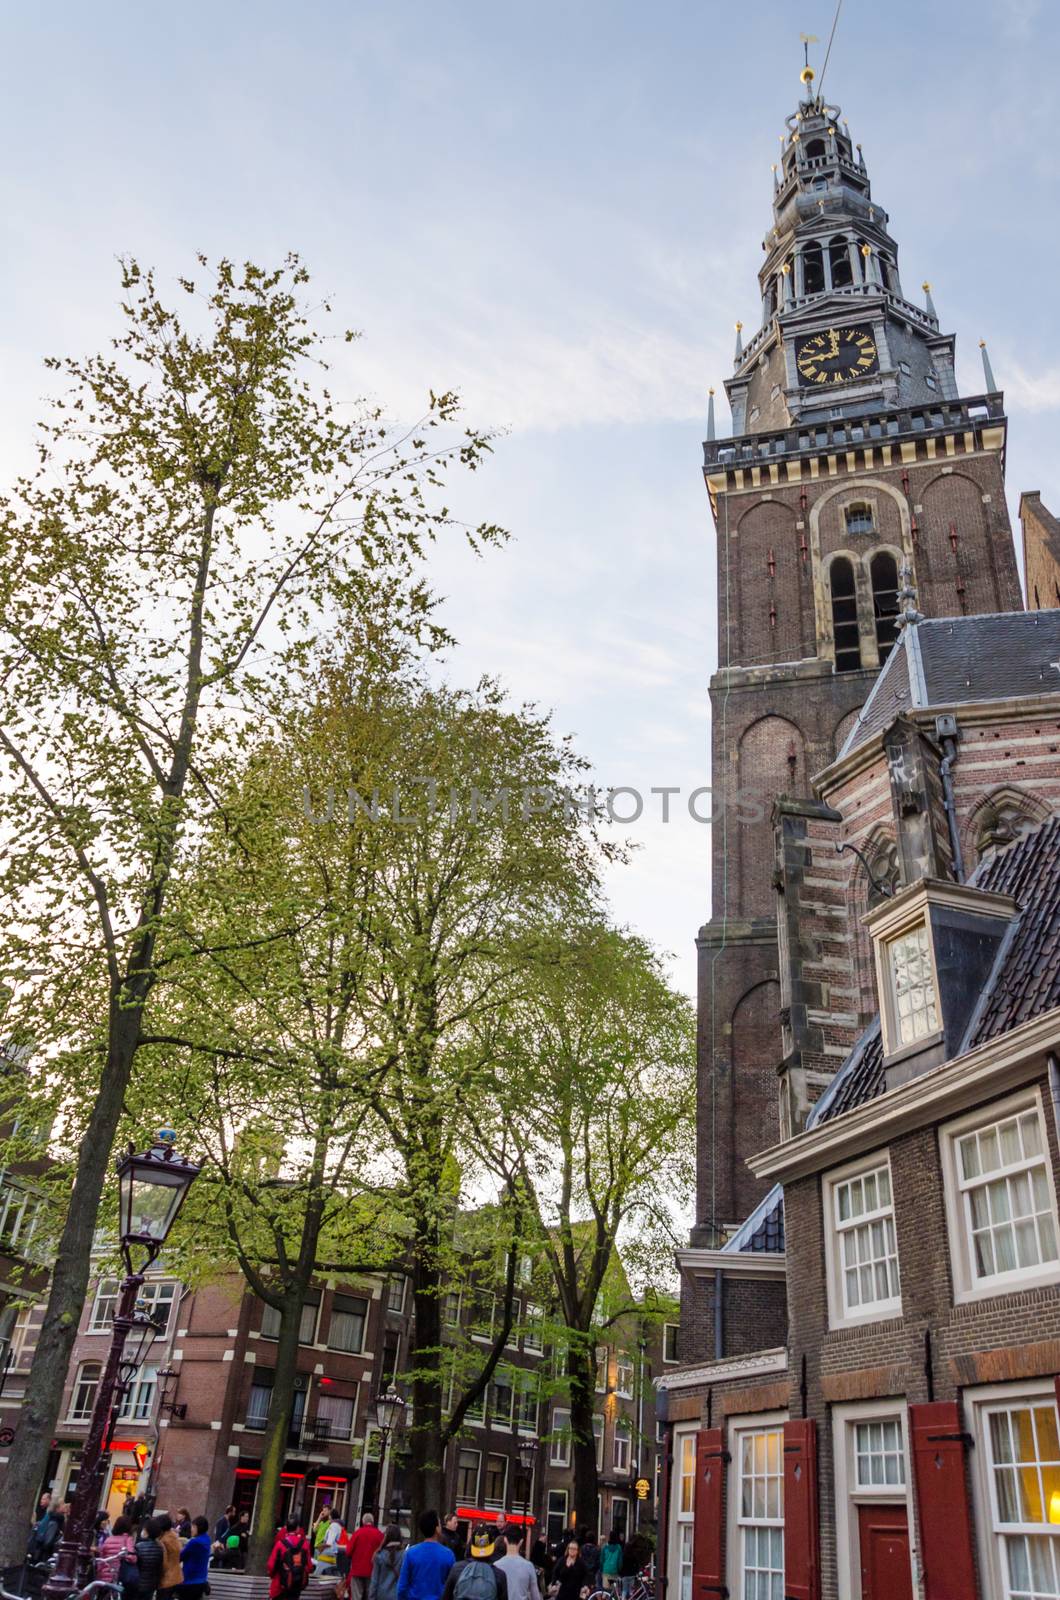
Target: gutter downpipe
<point>946,765</point>
<point>719,1314</point>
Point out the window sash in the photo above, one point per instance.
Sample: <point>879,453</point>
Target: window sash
<point>337,1412</point>
<point>259,1404</point>
<point>138,1403</point>
<point>1015,1228</point>
<point>688,1475</point>
<point>866,1255</point>
<point>624,1377</point>
<point>622,1442</point>
<point>913,994</point>
<point>496,1484</point>
<point>1023,1471</point>
<point>559,1453</point>
<point>879,1454</point>
<point>468,1466</point>
<point>307,1327</point>
<point>83,1394</point>
<point>346,1330</point>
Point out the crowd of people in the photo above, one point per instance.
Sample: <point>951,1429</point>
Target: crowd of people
<point>153,1555</point>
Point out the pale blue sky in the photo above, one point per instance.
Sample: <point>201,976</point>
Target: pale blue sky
<point>557,209</point>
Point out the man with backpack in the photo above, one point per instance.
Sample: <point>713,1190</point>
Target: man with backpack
<point>477,1578</point>
<point>290,1563</point>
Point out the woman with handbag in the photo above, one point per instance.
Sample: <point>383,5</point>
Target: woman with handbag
<point>116,1557</point>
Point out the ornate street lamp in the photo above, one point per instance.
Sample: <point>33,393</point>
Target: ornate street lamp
<point>389,1410</point>
<point>527,1458</point>
<point>151,1191</point>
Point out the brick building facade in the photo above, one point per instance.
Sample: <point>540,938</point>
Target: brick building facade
<point>878,1414</point>
<point>192,1430</point>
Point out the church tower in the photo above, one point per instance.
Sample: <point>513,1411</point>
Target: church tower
<point>852,457</point>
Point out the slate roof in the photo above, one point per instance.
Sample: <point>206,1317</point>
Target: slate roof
<point>943,661</point>
<point>1026,976</point>
<point>763,1231</point>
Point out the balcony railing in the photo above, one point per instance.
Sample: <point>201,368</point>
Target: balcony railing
<point>848,433</point>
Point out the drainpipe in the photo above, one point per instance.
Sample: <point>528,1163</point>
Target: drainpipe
<point>946,727</point>
<point>719,1314</point>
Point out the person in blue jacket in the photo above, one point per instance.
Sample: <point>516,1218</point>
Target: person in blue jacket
<point>426,1565</point>
<point>195,1561</point>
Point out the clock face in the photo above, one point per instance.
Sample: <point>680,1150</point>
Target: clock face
<point>836,356</point>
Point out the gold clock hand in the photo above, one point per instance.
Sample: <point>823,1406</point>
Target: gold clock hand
<point>834,337</point>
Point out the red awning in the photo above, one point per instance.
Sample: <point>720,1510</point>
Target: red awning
<point>476,1514</point>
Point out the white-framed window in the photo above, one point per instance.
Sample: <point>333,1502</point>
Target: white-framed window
<point>451,1309</point>
<point>555,1515</point>
<point>670,1332</point>
<point>258,1402</point>
<point>468,1466</point>
<point>912,995</point>
<point>139,1401</point>
<point>871,1452</point>
<point>620,1449</point>
<point>624,1375</point>
<point>20,1212</point>
<point>501,1399</point>
<point>602,1354</point>
<point>1018,1476</point>
<point>307,1327</point>
<point>476,1411</point>
<point>859,517</point>
<point>863,1277</point>
<point>598,1435</point>
<point>526,1401</point>
<point>348,1325</point>
<point>756,1509</point>
<point>559,1449</point>
<point>533,1341</point>
<point>684,1446</point>
<point>1000,1200</point>
<point>156,1299</point>
<point>495,1488</point>
<point>334,1419</point>
<point>395,1294</point>
<point>83,1394</point>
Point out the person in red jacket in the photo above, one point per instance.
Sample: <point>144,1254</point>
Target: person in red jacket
<point>290,1563</point>
<point>360,1552</point>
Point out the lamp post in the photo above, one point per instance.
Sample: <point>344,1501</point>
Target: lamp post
<point>151,1190</point>
<point>389,1409</point>
<point>527,1457</point>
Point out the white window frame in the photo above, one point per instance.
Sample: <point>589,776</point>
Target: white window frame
<point>880,1310</point>
<point>622,1435</point>
<point>894,1042</point>
<point>602,1360</point>
<point>682,1524</point>
<point>599,1435</point>
<point>396,1282</point>
<point>966,1286</point>
<point>849,1495</point>
<point>670,1361</point>
<point>559,1448</point>
<point>326,1399</point>
<point>138,1403</point>
<point>84,1416</point>
<point>768,1422</point>
<point>151,1295</point>
<point>980,1402</point>
<point>624,1363</point>
<point>533,1331</point>
<point>465,1449</point>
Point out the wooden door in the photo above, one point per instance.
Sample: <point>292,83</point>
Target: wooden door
<point>883,1534</point>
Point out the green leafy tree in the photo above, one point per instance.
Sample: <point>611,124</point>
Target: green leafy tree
<point>200,499</point>
<point>597,1053</point>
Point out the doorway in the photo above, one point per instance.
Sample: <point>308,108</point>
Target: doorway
<point>883,1540</point>
<point>125,1481</point>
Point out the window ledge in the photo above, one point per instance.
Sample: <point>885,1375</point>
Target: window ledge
<point>883,1314</point>
<point>1001,1287</point>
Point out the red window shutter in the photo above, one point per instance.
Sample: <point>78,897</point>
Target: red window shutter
<point>708,1542</point>
<point>802,1526</point>
<point>946,1554</point>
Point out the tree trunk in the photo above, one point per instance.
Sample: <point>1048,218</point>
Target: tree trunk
<point>425,1478</point>
<point>28,1455</point>
<point>581,1372</point>
<point>285,1371</point>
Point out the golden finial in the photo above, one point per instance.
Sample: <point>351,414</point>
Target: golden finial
<point>711,391</point>
<point>866,249</point>
<point>982,344</point>
<point>786,268</point>
<point>796,136</point>
<point>926,287</point>
<point>739,326</point>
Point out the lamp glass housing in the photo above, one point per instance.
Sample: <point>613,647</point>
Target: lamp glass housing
<point>388,1407</point>
<point>152,1187</point>
<point>528,1453</point>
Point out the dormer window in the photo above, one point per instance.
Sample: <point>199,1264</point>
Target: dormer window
<point>913,999</point>
<point>936,942</point>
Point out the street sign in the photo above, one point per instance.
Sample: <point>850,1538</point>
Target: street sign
<point>642,1488</point>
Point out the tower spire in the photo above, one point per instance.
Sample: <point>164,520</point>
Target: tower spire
<point>929,304</point>
<point>988,371</point>
<point>710,415</point>
<point>739,341</point>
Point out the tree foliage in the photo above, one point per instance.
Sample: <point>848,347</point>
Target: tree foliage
<point>200,501</point>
